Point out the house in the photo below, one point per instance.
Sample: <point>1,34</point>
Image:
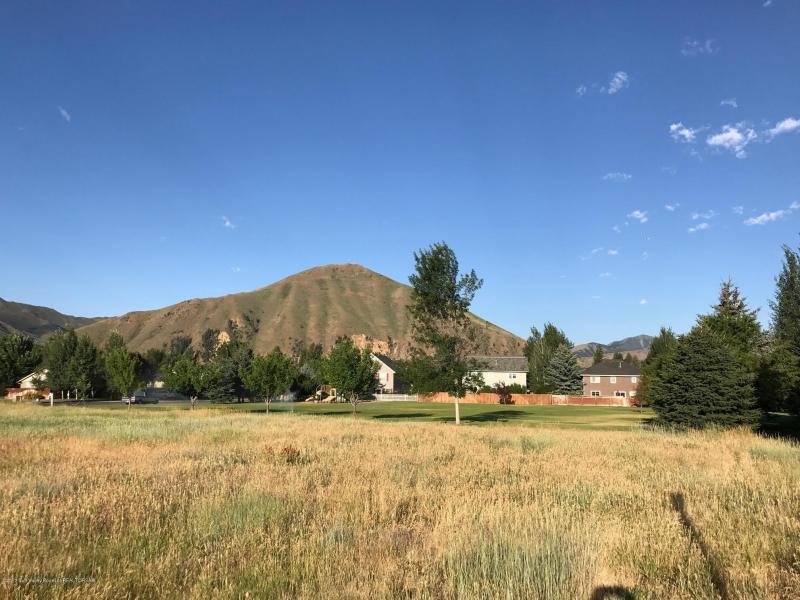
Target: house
<point>27,390</point>
<point>611,378</point>
<point>502,369</point>
<point>386,373</point>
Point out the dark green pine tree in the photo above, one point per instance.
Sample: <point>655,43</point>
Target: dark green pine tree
<point>662,346</point>
<point>702,383</point>
<point>563,375</point>
<point>786,306</point>
<point>736,324</point>
<point>539,349</point>
<point>599,354</point>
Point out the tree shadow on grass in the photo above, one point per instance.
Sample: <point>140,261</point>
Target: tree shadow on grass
<point>408,415</point>
<point>487,417</point>
<point>780,425</point>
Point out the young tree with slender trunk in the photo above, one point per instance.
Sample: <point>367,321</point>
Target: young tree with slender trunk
<point>444,334</point>
<point>350,370</point>
<point>269,376</point>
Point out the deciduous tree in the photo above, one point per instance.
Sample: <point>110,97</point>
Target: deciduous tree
<point>350,370</point>
<point>270,376</point>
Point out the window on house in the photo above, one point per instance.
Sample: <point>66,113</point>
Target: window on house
<point>595,393</point>
<point>633,394</point>
<point>634,379</point>
<point>620,394</point>
<point>613,380</point>
<point>594,379</point>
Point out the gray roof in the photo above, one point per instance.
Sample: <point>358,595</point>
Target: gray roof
<point>386,360</point>
<point>502,363</point>
<point>613,367</point>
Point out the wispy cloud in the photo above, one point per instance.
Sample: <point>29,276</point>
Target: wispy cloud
<point>613,252</point>
<point>592,252</point>
<point>581,90</point>
<point>643,301</point>
<point>669,170</point>
<point>617,177</point>
<point>767,3</point>
<point>226,222</point>
<point>734,138</point>
<point>639,215</point>
<point>619,81</point>
<point>236,269</point>
<point>681,133</point>
<point>672,207</point>
<point>606,274</point>
<point>645,255</point>
<point>64,114</point>
<point>738,210</point>
<point>616,229</point>
<point>705,216</point>
<point>699,227</point>
<point>775,215</point>
<point>729,102</point>
<point>697,47</point>
<point>786,126</point>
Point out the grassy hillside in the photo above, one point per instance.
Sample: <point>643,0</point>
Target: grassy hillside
<point>226,504</point>
<point>317,305</point>
<point>36,321</point>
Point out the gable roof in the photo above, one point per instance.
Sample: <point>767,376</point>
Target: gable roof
<point>517,364</point>
<point>385,360</point>
<point>613,367</point>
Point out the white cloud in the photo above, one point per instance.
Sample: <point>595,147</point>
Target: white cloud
<point>236,269</point>
<point>704,216</point>
<point>618,177</point>
<point>680,133</point>
<point>64,114</point>
<point>581,90</point>
<point>767,3</point>
<point>606,274</point>
<point>729,102</point>
<point>613,252</point>
<point>786,126</point>
<point>616,229</point>
<point>696,47</point>
<point>734,138</point>
<point>645,255</point>
<point>671,207</point>
<point>669,170</point>
<point>619,81</point>
<point>699,227</point>
<point>738,210</point>
<point>226,222</point>
<point>639,215</point>
<point>768,217</point>
<point>595,297</point>
<point>643,301</point>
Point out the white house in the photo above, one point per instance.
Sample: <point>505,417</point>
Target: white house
<point>503,369</point>
<point>27,387</point>
<point>386,372</point>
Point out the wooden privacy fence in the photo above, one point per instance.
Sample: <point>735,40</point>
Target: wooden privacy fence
<point>529,399</point>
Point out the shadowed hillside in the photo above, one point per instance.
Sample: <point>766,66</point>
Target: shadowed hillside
<point>317,305</point>
<point>36,321</point>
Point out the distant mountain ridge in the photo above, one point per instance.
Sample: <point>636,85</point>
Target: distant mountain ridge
<point>638,345</point>
<point>37,321</point>
<point>314,306</point>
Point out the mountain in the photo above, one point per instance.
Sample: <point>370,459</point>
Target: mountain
<point>317,305</point>
<point>36,321</point>
<point>638,346</point>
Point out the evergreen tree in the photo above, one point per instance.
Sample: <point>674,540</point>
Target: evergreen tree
<point>778,378</point>
<point>662,346</point>
<point>703,383</point>
<point>19,356</point>
<point>539,350</point>
<point>617,356</point>
<point>57,359</point>
<point>786,306</point>
<point>736,325</point>
<point>563,375</point>
<point>599,354</point>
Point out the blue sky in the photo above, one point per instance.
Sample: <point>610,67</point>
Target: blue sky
<point>601,165</point>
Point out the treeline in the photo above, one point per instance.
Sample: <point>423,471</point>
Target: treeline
<point>223,368</point>
<point>728,369</point>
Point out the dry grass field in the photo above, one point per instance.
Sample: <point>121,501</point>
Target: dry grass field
<point>212,504</point>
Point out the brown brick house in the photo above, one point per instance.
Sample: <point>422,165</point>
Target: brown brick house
<point>611,378</point>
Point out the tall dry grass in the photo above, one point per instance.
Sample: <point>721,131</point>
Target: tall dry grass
<point>210,505</point>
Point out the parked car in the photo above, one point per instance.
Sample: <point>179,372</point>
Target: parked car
<point>139,397</point>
